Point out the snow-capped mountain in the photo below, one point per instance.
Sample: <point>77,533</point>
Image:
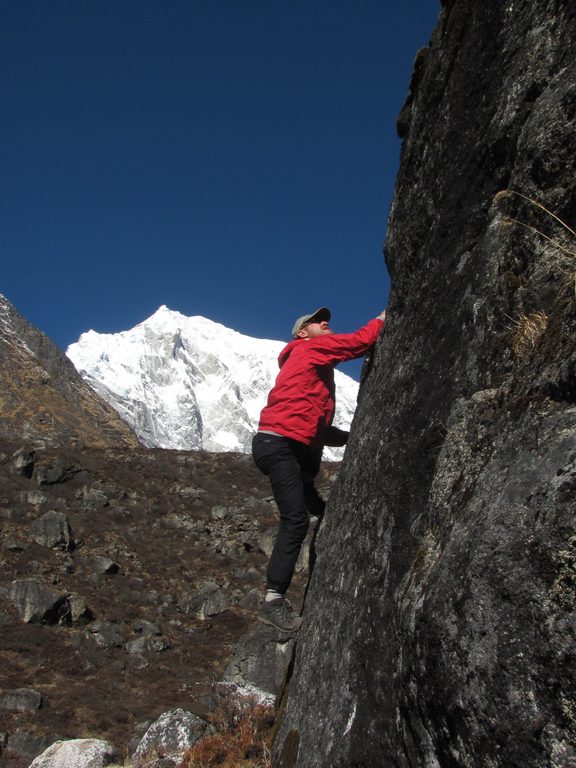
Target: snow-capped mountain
<point>190,383</point>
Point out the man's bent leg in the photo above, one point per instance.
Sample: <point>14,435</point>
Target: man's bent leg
<point>274,456</point>
<point>314,502</point>
<point>309,459</point>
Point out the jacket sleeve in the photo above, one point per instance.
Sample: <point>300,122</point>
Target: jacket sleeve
<point>336,348</point>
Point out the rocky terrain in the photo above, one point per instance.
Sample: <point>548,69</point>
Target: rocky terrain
<point>128,579</point>
<point>443,593</point>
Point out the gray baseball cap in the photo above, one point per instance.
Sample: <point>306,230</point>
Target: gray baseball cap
<point>321,314</point>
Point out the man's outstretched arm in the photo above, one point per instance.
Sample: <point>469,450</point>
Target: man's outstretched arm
<point>339,347</point>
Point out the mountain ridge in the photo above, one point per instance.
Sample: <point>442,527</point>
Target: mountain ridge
<point>44,399</point>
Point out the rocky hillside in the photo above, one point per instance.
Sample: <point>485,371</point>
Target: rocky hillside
<point>444,622</point>
<point>130,578</point>
<point>129,585</point>
<point>43,399</point>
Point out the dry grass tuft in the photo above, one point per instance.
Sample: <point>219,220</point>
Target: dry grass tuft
<point>528,330</point>
<point>560,255</point>
<point>242,738</point>
<point>505,193</point>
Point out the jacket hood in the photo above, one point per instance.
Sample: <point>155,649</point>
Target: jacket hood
<point>285,354</point>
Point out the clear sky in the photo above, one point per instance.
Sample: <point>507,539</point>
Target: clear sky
<point>228,159</point>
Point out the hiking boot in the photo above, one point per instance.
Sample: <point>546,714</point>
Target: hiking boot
<point>277,614</point>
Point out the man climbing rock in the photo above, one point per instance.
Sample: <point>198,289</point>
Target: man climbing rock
<point>294,427</point>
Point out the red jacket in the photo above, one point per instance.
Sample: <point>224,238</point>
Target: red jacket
<point>301,403</point>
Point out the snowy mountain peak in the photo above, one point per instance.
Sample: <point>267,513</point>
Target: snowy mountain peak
<point>188,382</point>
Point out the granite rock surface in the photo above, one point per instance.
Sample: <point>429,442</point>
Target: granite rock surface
<point>440,623</point>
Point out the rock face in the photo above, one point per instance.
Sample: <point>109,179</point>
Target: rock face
<point>439,627</point>
<point>44,399</point>
<point>261,660</point>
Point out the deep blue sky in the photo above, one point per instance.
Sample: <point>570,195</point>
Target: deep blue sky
<point>228,159</point>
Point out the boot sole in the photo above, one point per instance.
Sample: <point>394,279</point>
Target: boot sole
<point>268,622</point>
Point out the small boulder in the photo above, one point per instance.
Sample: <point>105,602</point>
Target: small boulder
<point>209,601</point>
<point>28,745</point>
<point>53,530</point>
<point>139,731</point>
<point>23,462</point>
<point>147,628</point>
<point>76,611</point>
<point>22,700</point>
<point>36,498</point>
<point>36,603</point>
<point>173,732</point>
<point>105,634</point>
<point>266,541</point>
<point>143,645</point>
<point>191,492</point>
<point>76,753</point>
<point>251,600</point>
<point>97,566</point>
<point>104,565</point>
<point>261,660</point>
<point>219,512</point>
<point>94,499</point>
<point>57,471</point>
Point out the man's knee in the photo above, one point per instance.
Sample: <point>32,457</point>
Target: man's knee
<point>295,530</point>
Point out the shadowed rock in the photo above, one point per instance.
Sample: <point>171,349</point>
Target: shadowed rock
<point>22,699</point>
<point>105,634</point>
<point>261,660</point>
<point>37,603</point>
<point>52,530</point>
<point>209,601</point>
<point>26,746</point>
<point>23,462</point>
<point>439,621</point>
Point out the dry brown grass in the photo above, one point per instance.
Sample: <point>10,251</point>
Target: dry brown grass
<point>560,255</point>
<point>556,251</point>
<point>242,738</point>
<point>527,331</point>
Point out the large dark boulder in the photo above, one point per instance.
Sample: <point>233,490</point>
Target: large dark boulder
<point>261,661</point>
<point>440,622</point>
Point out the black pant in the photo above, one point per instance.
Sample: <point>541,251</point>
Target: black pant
<point>291,467</point>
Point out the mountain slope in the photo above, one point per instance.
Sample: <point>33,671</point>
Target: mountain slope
<point>189,383</point>
<point>43,399</point>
